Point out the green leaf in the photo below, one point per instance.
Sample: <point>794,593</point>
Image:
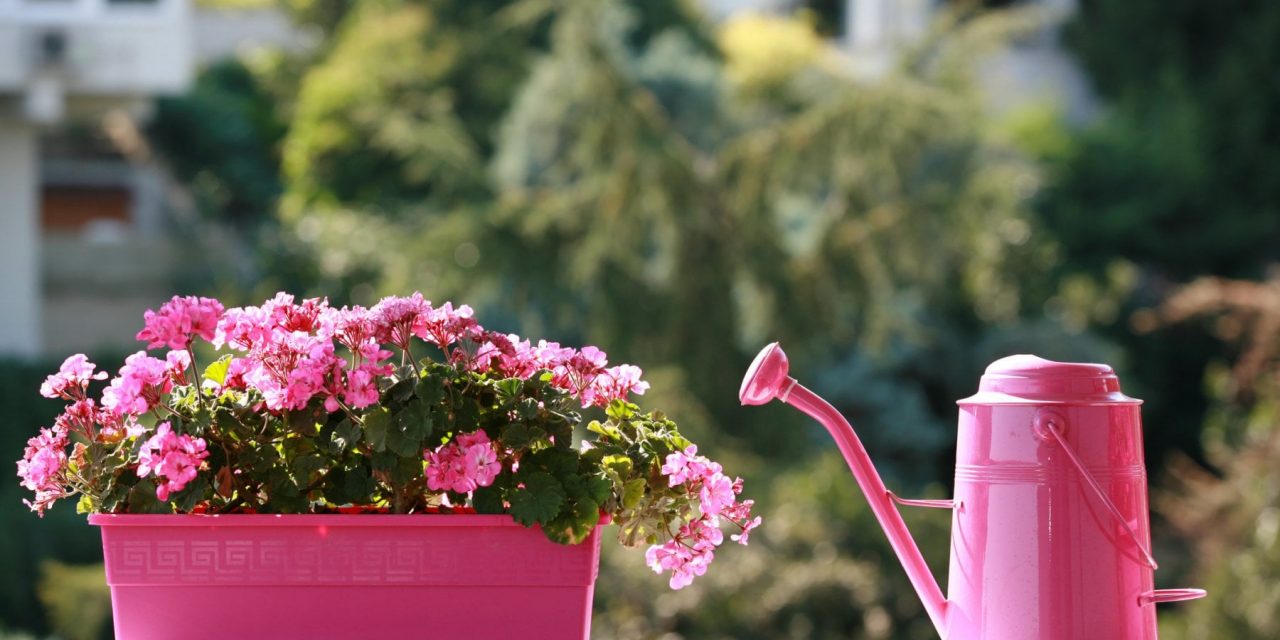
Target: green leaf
<point>282,484</point>
<point>488,500</point>
<point>620,410</point>
<point>412,426</point>
<point>306,464</point>
<point>430,389</point>
<point>116,493</point>
<point>403,390</point>
<point>359,485</point>
<point>302,420</point>
<point>285,495</point>
<point>345,435</point>
<point>142,499</point>
<point>509,388</point>
<point>606,429</point>
<point>562,431</point>
<point>384,460</point>
<point>528,408</point>
<point>217,370</point>
<point>557,462</point>
<point>349,485</point>
<point>408,469</point>
<point>377,425</point>
<point>575,523</point>
<point>620,464</point>
<point>519,436</point>
<point>599,488</point>
<point>186,499</point>
<point>538,501</point>
<point>632,493</point>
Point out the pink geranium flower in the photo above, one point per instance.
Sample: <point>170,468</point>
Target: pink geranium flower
<point>396,320</point>
<point>43,468</point>
<point>688,466</point>
<point>138,387</point>
<point>741,538</point>
<point>716,494</point>
<point>445,326</point>
<point>688,554</point>
<point>362,388</point>
<point>72,378</point>
<point>464,464</point>
<point>616,383</point>
<point>172,458</point>
<point>179,321</point>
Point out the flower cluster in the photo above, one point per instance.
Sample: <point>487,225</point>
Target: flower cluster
<point>175,458</point>
<point>43,468</point>
<point>401,407</point>
<point>582,372</point>
<point>71,382</point>
<point>179,320</point>
<point>467,462</point>
<point>290,356</point>
<point>141,382</point>
<point>687,554</point>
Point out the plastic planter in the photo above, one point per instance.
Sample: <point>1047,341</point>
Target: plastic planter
<point>344,576</point>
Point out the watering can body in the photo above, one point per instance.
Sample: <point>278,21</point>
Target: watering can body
<point>1036,552</point>
<point>1050,533</point>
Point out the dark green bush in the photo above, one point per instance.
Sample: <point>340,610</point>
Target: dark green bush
<point>25,540</point>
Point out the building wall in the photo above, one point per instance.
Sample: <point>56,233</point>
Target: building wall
<point>96,47</point>
<point>20,333</point>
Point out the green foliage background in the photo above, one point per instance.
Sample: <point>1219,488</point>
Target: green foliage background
<point>623,173</point>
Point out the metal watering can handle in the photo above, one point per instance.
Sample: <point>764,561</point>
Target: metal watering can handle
<point>1047,426</point>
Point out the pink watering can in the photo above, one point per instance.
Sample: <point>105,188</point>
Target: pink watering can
<point>1049,533</point>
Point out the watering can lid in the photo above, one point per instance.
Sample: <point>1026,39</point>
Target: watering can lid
<point>1028,379</point>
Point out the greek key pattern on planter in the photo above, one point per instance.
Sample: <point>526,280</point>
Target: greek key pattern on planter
<point>343,560</point>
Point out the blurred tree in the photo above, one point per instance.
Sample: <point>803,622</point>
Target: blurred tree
<point>220,140</point>
<point>683,208</point>
<point>1232,521</point>
<point>1173,177</point>
<point>402,108</point>
<point>380,120</point>
<point>1177,177</point>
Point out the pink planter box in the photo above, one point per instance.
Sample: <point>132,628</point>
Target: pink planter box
<point>344,576</point>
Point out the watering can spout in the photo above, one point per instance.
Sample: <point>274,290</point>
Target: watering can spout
<point>768,379</point>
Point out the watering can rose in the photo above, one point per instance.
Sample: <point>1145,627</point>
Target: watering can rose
<point>404,407</point>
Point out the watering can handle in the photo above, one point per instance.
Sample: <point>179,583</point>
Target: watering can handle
<point>930,504</point>
<point>1170,595</point>
<point>1049,425</point>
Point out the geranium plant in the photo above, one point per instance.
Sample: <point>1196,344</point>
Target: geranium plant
<point>400,408</point>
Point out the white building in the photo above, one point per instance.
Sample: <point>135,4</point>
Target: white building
<point>66,64</point>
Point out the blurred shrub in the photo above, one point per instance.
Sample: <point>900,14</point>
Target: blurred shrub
<point>1232,519</point>
<point>76,598</point>
<point>25,540</point>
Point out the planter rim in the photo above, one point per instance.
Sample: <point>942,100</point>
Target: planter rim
<point>446,520</point>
